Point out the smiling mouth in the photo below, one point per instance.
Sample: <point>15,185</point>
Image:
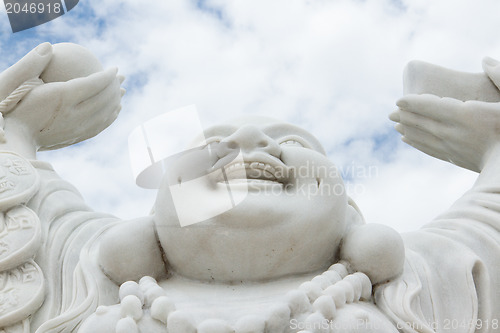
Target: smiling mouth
<point>252,172</point>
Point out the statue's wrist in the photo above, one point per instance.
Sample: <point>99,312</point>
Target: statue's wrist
<point>18,139</point>
<point>489,175</point>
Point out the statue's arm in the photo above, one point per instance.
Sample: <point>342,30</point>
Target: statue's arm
<point>127,250</point>
<point>35,115</point>
<point>41,116</point>
<point>459,248</point>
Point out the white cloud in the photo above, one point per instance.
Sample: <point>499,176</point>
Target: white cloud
<point>333,67</point>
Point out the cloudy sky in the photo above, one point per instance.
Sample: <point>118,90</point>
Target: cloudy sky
<point>332,67</point>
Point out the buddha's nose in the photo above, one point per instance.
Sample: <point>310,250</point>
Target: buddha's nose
<point>250,138</point>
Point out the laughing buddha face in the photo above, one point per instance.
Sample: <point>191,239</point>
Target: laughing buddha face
<point>261,201</point>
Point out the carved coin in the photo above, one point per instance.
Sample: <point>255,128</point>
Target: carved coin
<point>20,234</point>
<point>18,180</point>
<point>21,293</point>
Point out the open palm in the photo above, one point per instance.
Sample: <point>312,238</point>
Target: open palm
<point>461,132</point>
<point>58,114</point>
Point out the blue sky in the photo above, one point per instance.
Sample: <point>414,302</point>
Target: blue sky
<point>333,67</point>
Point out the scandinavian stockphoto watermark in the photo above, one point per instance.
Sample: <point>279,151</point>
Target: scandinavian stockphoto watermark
<point>26,14</point>
<point>356,325</point>
<point>208,177</point>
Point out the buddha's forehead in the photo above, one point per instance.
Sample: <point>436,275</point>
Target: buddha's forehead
<point>254,120</point>
<point>274,128</point>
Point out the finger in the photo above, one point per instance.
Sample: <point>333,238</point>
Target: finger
<point>96,125</point>
<point>421,137</point>
<point>81,89</point>
<point>431,106</point>
<point>431,126</point>
<point>121,78</point>
<point>404,130</point>
<point>122,91</point>
<point>400,128</point>
<point>492,68</point>
<point>30,66</point>
<point>99,105</point>
<point>394,116</point>
<point>426,143</point>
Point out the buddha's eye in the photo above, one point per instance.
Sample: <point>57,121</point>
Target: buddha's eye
<point>292,143</point>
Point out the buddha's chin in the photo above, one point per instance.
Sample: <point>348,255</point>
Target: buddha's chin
<point>247,254</point>
<point>257,210</point>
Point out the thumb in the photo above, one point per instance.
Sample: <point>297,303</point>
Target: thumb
<point>492,68</point>
<point>29,67</point>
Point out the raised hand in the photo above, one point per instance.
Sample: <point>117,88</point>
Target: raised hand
<point>53,115</point>
<point>463,133</point>
<point>70,112</point>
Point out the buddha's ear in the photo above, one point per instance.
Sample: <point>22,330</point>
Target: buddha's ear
<point>353,214</point>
